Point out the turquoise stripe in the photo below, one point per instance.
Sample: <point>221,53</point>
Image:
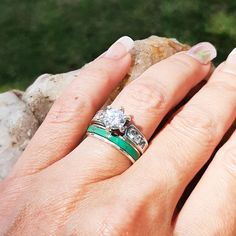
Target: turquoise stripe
<point>125,146</point>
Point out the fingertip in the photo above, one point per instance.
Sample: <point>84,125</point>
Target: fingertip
<point>119,49</point>
<point>203,52</point>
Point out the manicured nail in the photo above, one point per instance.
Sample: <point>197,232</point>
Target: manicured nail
<point>120,48</point>
<point>203,52</point>
<point>232,57</point>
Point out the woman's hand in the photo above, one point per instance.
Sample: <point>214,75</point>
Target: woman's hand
<point>64,185</point>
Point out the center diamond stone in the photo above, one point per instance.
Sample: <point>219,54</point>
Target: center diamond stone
<point>114,118</point>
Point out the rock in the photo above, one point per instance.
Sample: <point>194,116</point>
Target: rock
<point>44,91</point>
<point>17,126</point>
<point>22,113</point>
<point>147,52</point>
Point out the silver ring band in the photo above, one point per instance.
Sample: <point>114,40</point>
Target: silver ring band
<point>114,145</point>
<point>132,135</point>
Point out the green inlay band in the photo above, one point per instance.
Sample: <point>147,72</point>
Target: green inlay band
<point>125,146</point>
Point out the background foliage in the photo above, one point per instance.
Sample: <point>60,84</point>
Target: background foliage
<point>60,35</point>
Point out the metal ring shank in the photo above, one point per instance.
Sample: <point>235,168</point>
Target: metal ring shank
<point>132,134</point>
<point>116,141</point>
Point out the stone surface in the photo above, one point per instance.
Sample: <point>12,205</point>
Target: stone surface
<point>22,113</point>
<point>17,126</point>
<point>147,52</point>
<point>44,91</point>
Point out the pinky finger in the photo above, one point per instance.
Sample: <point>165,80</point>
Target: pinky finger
<point>211,208</point>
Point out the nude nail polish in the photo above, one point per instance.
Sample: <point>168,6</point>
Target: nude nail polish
<point>203,52</point>
<point>120,48</point>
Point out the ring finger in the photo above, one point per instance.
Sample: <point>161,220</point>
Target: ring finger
<point>148,99</point>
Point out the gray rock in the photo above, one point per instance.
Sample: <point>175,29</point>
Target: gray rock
<point>17,126</point>
<point>44,91</point>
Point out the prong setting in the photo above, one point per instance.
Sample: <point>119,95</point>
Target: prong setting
<point>122,129</point>
<point>117,123</point>
<point>128,118</point>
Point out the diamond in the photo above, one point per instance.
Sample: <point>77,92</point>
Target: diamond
<point>99,115</point>
<point>135,136</point>
<point>132,133</point>
<point>142,143</point>
<point>114,118</point>
<point>137,139</point>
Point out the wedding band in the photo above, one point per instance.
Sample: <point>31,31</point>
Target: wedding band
<point>118,142</point>
<point>117,124</point>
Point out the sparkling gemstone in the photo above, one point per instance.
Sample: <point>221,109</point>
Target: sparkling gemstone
<point>132,133</point>
<point>114,118</point>
<point>137,139</point>
<point>135,136</point>
<point>142,143</point>
<point>99,115</point>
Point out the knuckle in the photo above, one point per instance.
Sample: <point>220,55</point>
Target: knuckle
<point>114,225</point>
<point>125,211</point>
<point>197,124</point>
<point>185,66</point>
<point>133,204</point>
<point>147,97</point>
<point>227,86</point>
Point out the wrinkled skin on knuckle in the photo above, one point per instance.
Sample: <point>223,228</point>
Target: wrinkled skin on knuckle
<point>101,211</point>
<point>122,220</point>
<point>147,98</point>
<point>229,87</point>
<point>128,211</point>
<point>181,66</point>
<point>196,124</point>
<point>114,214</point>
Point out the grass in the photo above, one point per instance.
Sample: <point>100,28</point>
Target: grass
<point>53,36</point>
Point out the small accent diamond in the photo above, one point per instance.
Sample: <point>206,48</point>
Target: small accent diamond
<point>142,143</point>
<point>99,115</point>
<point>135,136</point>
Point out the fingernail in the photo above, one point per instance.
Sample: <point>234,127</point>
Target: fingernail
<point>232,56</point>
<point>120,48</point>
<point>203,52</point>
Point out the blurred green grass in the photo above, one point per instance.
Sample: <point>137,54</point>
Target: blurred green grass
<point>53,36</point>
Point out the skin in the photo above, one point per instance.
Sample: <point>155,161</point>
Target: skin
<point>66,185</point>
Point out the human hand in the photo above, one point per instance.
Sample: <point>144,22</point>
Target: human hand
<point>66,185</point>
